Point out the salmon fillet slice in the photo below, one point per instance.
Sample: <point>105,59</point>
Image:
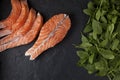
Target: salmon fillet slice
<point>53,31</point>
<point>14,14</point>
<point>20,21</point>
<point>27,38</point>
<point>21,31</point>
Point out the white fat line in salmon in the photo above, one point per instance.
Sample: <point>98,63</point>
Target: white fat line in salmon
<point>53,32</point>
<point>6,46</point>
<point>14,39</point>
<point>2,25</point>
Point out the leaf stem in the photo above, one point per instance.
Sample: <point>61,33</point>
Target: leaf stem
<point>112,74</point>
<point>109,77</point>
<point>101,3</point>
<point>89,20</point>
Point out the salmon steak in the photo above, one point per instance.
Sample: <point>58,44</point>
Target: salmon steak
<point>21,31</point>
<point>14,14</point>
<point>27,38</point>
<point>52,32</point>
<point>20,21</point>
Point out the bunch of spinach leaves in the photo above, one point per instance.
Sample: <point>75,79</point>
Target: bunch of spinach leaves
<point>99,50</point>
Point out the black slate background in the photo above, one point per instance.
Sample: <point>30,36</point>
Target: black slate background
<point>58,63</point>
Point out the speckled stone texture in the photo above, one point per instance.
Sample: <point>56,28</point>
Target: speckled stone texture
<point>57,63</point>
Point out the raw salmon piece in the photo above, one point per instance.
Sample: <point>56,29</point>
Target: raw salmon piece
<point>51,34</point>
<point>14,14</point>
<point>23,30</point>
<point>27,38</point>
<point>20,21</point>
<point>4,32</point>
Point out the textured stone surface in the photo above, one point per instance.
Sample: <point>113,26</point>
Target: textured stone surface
<point>58,63</point>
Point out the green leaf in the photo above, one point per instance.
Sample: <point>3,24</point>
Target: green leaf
<point>103,12</point>
<point>82,54</point>
<point>114,35</point>
<point>93,50</point>
<point>109,17</point>
<point>115,44</point>
<point>104,26</point>
<point>83,57</point>
<point>117,77</point>
<point>103,19</point>
<point>100,47</point>
<point>104,43</point>
<point>108,54</point>
<point>97,29</point>
<point>114,63</point>
<point>99,65</point>
<point>97,2</point>
<point>90,68</point>
<point>111,28</point>
<point>87,28</point>
<point>107,34</point>
<point>95,35</point>
<point>90,5</point>
<point>85,45</point>
<point>82,61</point>
<point>87,12</point>
<point>102,72</point>
<point>91,58</point>
<point>114,12</point>
<point>114,19</point>
<point>102,67</point>
<point>84,39</point>
<point>98,14</point>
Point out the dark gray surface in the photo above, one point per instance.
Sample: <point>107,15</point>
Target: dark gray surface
<point>58,63</point>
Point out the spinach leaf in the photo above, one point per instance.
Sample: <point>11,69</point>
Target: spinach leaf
<point>106,53</point>
<point>99,51</point>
